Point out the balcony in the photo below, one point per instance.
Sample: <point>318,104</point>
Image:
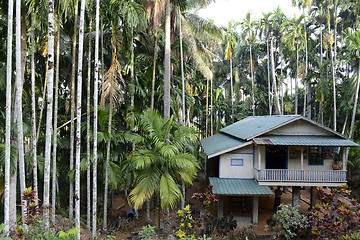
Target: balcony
<point>285,177</point>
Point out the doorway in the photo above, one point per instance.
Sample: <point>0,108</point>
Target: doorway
<point>276,157</point>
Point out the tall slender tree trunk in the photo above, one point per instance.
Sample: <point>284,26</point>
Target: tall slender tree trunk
<point>183,99</point>
<point>96,79</point>
<point>277,102</point>
<point>296,77</point>
<point>167,60</point>
<point>43,97</point>
<point>49,118</point>
<point>19,120</point>
<point>156,49</point>
<point>252,81</point>
<point>107,165</point>
<point>334,86</point>
<point>231,91</point>
<point>54,177</point>
<point>33,109</point>
<point>207,108</point>
<point>211,108</point>
<point>78,115</point>
<point>268,75</point>
<point>72,112</point>
<point>307,89</point>
<point>8,117</point>
<point>182,72</point>
<point>88,169</point>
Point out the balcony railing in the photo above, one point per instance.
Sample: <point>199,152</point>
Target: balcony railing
<point>285,175</point>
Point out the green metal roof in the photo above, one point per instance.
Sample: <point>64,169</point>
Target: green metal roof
<point>252,126</point>
<point>219,142</point>
<point>239,187</point>
<point>305,141</point>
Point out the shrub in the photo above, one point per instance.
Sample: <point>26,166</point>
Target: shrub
<point>221,226</point>
<point>346,221</point>
<point>148,233</point>
<point>287,221</point>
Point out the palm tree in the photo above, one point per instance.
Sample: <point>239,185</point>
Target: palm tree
<point>167,60</point>
<point>55,129</point>
<point>277,102</point>
<point>160,161</point>
<point>49,118</point>
<point>8,117</point>
<point>18,106</point>
<point>88,169</point>
<point>112,92</point>
<point>96,93</point>
<point>72,109</point>
<point>250,35</point>
<point>78,115</point>
<point>231,43</point>
<point>294,38</point>
<point>266,29</point>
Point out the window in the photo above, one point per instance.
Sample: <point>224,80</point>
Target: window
<point>315,156</point>
<point>237,162</point>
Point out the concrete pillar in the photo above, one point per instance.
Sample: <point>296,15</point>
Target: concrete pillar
<point>344,158</point>
<point>295,196</point>
<point>259,157</point>
<point>302,159</point>
<point>255,210</point>
<point>220,207</point>
<point>312,197</point>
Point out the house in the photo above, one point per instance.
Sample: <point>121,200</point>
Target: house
<point>248,157</point>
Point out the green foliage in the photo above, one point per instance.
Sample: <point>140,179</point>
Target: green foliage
<point>148,233</point>
<point>222,226</point>
<point>4,234</point>
<point>288,220</point>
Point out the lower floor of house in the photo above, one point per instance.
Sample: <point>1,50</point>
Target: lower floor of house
<point>257,210</point>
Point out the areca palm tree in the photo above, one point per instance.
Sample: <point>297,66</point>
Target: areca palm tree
<point>294,38</point>
<point>159,159</point>
<point>249,33</point>
<point>8,117</point>
<point>231,42</point>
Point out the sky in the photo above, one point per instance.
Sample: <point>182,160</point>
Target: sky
<point>222,11</point>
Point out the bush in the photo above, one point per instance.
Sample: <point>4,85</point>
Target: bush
<point>148,233</point>
<point>288,221</point>
<point>346,221</point>
<point>221,226</point>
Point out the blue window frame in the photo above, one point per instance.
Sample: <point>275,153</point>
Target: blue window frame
<point>237,162</point>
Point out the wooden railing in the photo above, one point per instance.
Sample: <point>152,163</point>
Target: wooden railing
<point>285,175</point>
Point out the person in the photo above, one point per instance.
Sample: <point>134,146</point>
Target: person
<point>336,165</point>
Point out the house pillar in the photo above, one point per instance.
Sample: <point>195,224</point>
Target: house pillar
<point>255,210</point>
<point>312,197</point>
<point>259,158</point>
<point>220,207</point>
<point>302,159</point>
<point>344,158</point>
<point>295,196</point>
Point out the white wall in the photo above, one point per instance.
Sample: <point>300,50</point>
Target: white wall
<point>300,127</point>
<point>295,163</point>
<point>227,170</point>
